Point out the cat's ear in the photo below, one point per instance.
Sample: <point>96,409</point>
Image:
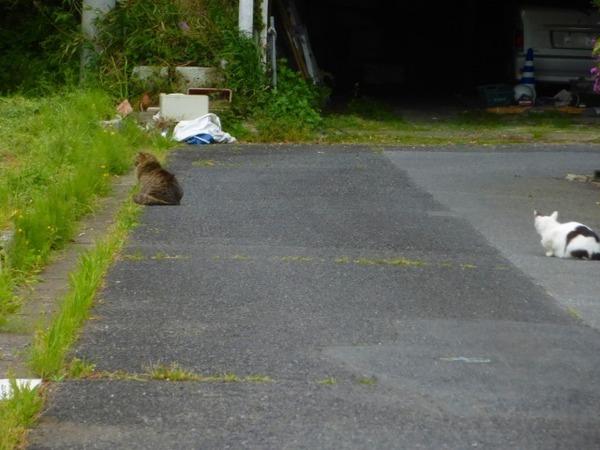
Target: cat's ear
<point>554,215</point>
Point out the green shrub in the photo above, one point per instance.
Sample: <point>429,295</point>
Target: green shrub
<point>290,112</point>
<point>37,45</point>
<point>243,72</point>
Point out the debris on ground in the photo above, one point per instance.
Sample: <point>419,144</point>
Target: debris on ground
<point>124,108</point>
<point>205,129</point>
<point>563,98</point>
<point>593,179</point>
<point>577,177</point>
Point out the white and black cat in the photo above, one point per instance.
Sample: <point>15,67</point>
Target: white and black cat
<point>567,240</point>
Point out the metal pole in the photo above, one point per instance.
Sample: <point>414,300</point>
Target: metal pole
<point>273,41</point>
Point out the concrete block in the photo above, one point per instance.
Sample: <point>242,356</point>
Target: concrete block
<point>183,107</point>
<point>149,72</point>
<point>186,76</point>
<point>194,76</point>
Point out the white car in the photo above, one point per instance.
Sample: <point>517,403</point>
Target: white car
<point>562,41</point>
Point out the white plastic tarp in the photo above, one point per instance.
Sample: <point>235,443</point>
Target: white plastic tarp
<point>208,124</point>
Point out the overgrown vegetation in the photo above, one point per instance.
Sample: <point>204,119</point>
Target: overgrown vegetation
<point>36,45</point>
<point>51,345</point>
<point>161,34</point>
<point>48,355</point>
<point>203,33</point>
<point>55,159</point>
<point>371,122</point>
<point>18,412</point>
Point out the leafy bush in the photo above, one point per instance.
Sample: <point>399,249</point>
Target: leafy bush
<point>33,38</point>
<point>290,112</point>
<point>243,72</point>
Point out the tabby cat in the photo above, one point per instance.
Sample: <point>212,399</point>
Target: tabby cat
<point>157,185</point>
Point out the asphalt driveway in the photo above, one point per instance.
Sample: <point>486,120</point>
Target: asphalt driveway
<point>396,299</point>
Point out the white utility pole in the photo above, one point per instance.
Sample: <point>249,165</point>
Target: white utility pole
<point>246,17</point>
<point>264,10</point>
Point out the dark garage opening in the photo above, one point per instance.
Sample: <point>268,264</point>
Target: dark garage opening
<point>416,49</point>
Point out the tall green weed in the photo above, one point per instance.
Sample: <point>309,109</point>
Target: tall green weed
<point>55,159</point>
<point>17,413</point>
<point>51,345</point>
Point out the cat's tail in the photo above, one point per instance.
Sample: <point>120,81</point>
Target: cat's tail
<point>147,199</point>
<point>583,254</point>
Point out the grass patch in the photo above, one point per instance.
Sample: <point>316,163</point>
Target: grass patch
<point>478,127</point>
<point>204,163</point>
<point>329,381</point>
<point>158,256</point>
<point>258,379</point>
<point>137,256</point>
<point>17,413</point>
<point>171,372</point>
<point>367,381</point>
<point>300,259</point>
<point>79,368</point>
<point>55,160</point>
<point>573,313</point>
<point>404,262</point>
<point>376,123</point>
<point>399,262</point>
<point>395,261</point>
<point>158,372</point>
<point>488,120</point>
<point>50,346</point>
<point>174,372</point>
